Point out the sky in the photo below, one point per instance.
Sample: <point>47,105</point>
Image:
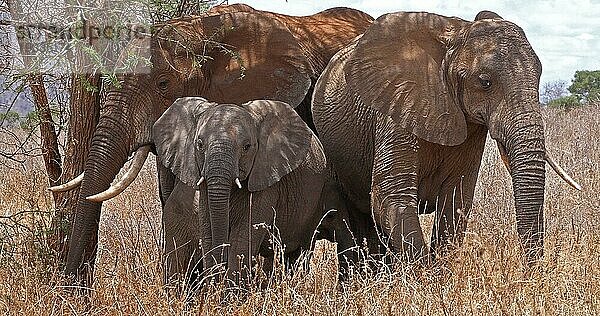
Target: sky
<point>564,34</point>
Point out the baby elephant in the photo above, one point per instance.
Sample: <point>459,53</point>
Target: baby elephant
<point>244,173</point>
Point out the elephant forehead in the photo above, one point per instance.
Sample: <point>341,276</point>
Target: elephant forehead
<point>497,30</point>
<point>227,117</point>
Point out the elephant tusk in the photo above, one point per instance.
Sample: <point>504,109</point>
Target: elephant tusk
<point>562,173</point>
<point>237,181</point>
<point>136,165</point>
<point>69,185</point>
<point>200,181</point>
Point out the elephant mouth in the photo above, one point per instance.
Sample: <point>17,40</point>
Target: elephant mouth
<point>504,156</point>
<point>237,182</point>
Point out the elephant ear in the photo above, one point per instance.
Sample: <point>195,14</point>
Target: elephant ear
<point>257,58</point>
<point>487,15</point>
<point>174,133</point>
<point>283,142</point>
<point>397,69</point>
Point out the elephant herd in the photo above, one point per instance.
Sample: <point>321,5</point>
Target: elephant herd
<point>331,126</point>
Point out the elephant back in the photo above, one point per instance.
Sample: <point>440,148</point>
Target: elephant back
<point>323,34</point>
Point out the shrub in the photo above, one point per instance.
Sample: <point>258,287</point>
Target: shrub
<point>566,102</point>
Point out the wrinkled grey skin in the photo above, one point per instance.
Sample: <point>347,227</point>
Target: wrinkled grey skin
<point>403,113</point>
<point>282,170</point>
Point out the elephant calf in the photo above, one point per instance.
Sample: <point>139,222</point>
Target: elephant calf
<point>242,171</point>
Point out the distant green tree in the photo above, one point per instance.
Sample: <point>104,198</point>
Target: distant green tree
<point>30,121</point>
<point>566,102</point>
<point>9,118</point>
<point>586,85</point>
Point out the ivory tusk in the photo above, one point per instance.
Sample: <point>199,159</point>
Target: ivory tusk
<point>69,185</point>
<point>136,165</point>
<point>200,181</point>
<point>237,181</point>
<point>562,173</point>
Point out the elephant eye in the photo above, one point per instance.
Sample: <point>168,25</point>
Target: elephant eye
<point>485,82</point>
<point>163,84</point>
<point>246,147</point>
<point>199,145</point>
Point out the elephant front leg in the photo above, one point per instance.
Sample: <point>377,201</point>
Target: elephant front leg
<point>452,215</point>
<point>183,258</point>
<point>248,233</point>
<point>182,254</point>
<point>394,194</point>
<point>448,228</point>
<point>335,225</point>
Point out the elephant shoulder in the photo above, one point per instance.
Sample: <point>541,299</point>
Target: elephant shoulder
<point>182,200</point>
<point>332,80</point>
<point>315,163</point>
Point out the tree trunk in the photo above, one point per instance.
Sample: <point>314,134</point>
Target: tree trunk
<point>35,81</point>
<point>50,152</point>
<point>84,113</point>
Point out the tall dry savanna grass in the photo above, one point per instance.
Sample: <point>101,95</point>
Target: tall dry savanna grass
<point>485,276</point>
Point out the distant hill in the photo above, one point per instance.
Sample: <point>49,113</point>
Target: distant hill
<point>23,103</point>
<point>24,100</point>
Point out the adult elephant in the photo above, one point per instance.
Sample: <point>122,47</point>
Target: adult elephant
<point>220,57</point>
<point>417,95</point>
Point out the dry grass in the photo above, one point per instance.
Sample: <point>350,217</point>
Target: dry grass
<point>485,276</point>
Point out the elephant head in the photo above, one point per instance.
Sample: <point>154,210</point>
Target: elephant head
<point>434,75</point>
<point>224,144</point>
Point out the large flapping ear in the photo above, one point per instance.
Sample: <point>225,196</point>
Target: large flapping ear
<point>487,15</point>
<point>397,69</point>
<point>283,142</point>
<point>254,57</point>
<point>174,134</point>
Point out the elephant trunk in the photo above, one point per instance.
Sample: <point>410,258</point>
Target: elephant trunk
<point>112,142</point>
<point>526,156</point>
<point>108,154</point>
<point>219,173</point>
<point>522,141</point>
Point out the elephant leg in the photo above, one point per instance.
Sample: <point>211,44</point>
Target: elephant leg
<point>364,232</point>
<point>453,200</point>
<point>452,217</point>
<point>336,227</point>
<point>182,254</point>
<point>183,258</point>
<point>394,192</point>
<point>448,228</point>
<point>245,240</point>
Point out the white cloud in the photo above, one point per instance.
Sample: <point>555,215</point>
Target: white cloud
<point>585,36</point>
<point>560,31</point>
